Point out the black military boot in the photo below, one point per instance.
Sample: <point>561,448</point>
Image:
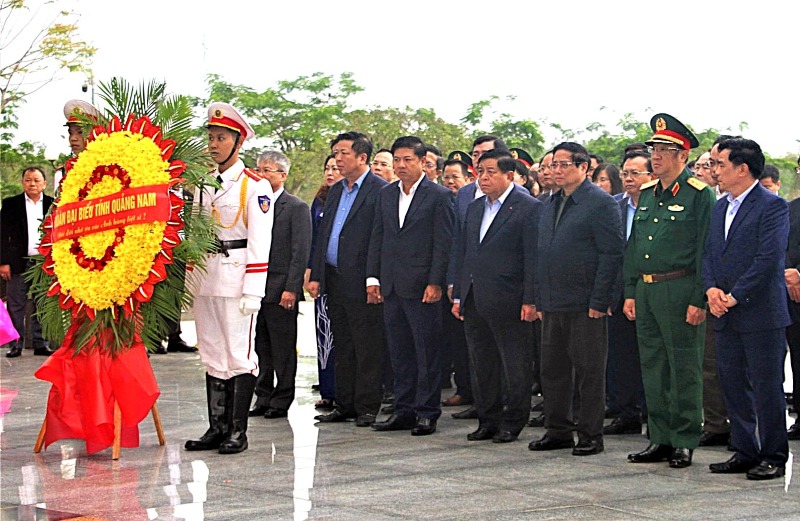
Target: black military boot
<point>216,395</point>
<point>240,394</point>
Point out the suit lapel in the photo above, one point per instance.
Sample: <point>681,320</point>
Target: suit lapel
<point>280,202</point>
<point>366,187</point>
<point>419,197</point>
<point>747,205</point>
<point>392,209</point>
<point>473,232</point>
<point>505,212</point>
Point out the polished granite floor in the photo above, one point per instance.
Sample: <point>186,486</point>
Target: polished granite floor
<point>297,470</point>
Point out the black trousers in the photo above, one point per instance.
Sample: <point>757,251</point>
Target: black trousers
<point>276,347</point>
<point>715,414</point>
<point>500,357</point>
<point>357,328</point>
<point>624,369</point>
<point>574,352</point>
<point>414,337</point>
<point>455,357</point>
<point>793,338</point>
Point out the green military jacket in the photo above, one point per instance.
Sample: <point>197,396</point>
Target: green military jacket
<point>669,232</point>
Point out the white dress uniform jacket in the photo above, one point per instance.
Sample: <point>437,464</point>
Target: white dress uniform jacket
<point>242,209</point>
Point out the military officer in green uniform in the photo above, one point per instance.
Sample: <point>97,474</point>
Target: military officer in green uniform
<point>664,294</point>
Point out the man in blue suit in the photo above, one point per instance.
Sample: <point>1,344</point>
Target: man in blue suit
<point>406,269</point>
<point>743,265</point>
<point>339,269</point>
<point>494,292</point>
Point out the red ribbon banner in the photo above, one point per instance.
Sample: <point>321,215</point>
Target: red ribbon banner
<point>141,205</point>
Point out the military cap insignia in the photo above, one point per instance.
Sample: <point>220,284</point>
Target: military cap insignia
<point>514,154</point>
<point>696,183</point>
<point>457,156</point>
<point>264,203</point>
<point>661,124</point>
<point>218,113</point>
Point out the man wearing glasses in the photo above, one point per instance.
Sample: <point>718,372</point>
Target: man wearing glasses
<point>623,350</point>
<point>664,294</point>
<point>580,247</point>
<point>276,324</point>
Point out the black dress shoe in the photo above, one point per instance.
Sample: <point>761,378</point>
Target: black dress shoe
<point>680,458</point>
<point>365,420</point>
<point>504,437</point>
<point>161,350</point>
<point>793,432</point>
<point>275,413</point>
<point>710,439</point>
<point>548,443</point>
<point>396,422</point>
<point>588,447</point>
<point>765,470</point>
<point>654,453</point>
<point>14,352</point>
<point>43,351</point>
<point>620,426</point>
<point>537,407</point>
<point>536,421</point>
<point>483,433</point>
<point>175,344</point>
<point>470,413</point>
<point>258,410</point>
<point>336,415</point>
<point>732,466</point>
<point>388,409</point>
<point>424,427</point>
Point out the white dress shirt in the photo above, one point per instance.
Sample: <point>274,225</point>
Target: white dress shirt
<point>733,207</point>
<point>490,210</point>
<point>35,213</point>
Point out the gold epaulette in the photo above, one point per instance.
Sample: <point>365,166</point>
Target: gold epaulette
<point>252,175</point>
<point>696,183</point>
<point>649,184</point>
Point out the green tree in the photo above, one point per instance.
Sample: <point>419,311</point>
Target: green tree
<point>517,133</point>
<point>37,46</point>
<point>13,159</point>
<point>297,116</point>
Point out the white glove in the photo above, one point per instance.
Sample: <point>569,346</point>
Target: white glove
<point>249,305</point>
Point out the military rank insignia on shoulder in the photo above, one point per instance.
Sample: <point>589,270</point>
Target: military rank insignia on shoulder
<point>696,183</point>
<point>649,184</point>
<point>252,175</point>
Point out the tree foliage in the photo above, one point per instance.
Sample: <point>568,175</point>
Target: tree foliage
<point>37,45</point>
<point>300,116</point>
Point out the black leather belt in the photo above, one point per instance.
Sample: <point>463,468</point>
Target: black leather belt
<point>224,246</point>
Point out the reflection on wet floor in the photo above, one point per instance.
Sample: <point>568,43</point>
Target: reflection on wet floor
<point>296,470</point>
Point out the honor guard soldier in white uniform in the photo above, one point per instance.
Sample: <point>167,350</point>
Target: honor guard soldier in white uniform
<point>228,295</point>
<point>77,142</point>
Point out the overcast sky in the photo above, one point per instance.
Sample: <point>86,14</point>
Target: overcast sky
<point>710,64</point>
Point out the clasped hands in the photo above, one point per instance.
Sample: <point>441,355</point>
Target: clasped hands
<point>719,302</point>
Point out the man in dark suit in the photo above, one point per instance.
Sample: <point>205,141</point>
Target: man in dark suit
<point>406,269</point>
<point>20,219</point>
<point>743,275</point>
<point>580,250</point>
<point>792,276</point>
<point>494,291</point>
<point>276,326</point>
<point>624,371</point>
<point>339,268</point>
<point>463,199</point>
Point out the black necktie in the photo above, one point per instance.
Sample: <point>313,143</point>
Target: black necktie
<point>219,180</point>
